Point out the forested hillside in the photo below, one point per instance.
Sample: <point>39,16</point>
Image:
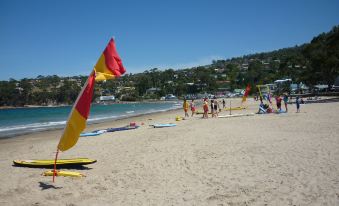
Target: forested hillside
<point>311,63</point>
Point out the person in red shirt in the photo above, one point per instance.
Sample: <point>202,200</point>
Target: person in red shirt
<point>205,107</point>
<point>278,101</point>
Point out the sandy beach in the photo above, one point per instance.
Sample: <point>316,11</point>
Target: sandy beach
<point>274,159</point>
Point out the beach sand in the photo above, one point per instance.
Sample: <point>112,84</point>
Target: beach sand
<point>275,159</point>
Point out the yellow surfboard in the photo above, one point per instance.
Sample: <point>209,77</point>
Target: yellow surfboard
<point>63,173</point>
<point>235,108</point>
<point>50,163</point>
<point>200,112</point>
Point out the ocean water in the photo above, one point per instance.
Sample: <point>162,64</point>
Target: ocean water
<point>14,122</point>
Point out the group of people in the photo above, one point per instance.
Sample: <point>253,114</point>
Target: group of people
<point>278,100</point>
<point>264,108</point>
<point>214,106</point>
<point>187,105</point>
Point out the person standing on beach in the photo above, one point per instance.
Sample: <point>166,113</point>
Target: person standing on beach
<point>192,107</point>
<point>278,101</point>
<point>285,99</point>
<point>212,107</point>
<point>205,107</point>
<point>223,103</point>
<point>215,108</point>
<point>185,106</point>
<point>297,102</point>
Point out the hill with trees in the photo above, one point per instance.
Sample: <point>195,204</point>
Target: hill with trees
<point>312,63</point>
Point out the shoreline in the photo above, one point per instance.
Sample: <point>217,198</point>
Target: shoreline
<point>61,127</point>
<point>55,133</point>
<point>198,103</point>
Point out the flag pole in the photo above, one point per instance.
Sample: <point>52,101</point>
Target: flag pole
<point>55,160</point>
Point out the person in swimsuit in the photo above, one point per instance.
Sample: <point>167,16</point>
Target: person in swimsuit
<point>212,107</point>
<point>185,106</point>
<point>285,99</point>
<point>205,107</point>
<point>215,108</point>
<point>192,107</point>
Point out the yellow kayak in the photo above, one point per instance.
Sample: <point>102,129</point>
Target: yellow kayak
<point>64,173</point>
<point>50,163</point>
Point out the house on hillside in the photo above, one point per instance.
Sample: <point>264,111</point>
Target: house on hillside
<point>238,92</point>
<point>321,88</point>
<point>107,98</point>
<point>152,90</point>
<point>335,87</point>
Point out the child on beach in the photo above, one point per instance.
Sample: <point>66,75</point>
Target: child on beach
<point>185,106</point>
<point>192,107</point>
<point>297,102</point>
<point>285,99</point>
<point>278,101</point>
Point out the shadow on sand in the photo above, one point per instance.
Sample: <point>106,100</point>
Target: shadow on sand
<point>45,186</point>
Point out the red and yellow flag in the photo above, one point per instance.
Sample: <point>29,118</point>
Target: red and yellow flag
<point>77,120</point>
<point>109,66</point>
<point>247,91</point>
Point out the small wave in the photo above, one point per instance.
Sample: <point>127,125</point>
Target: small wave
<point>34,126</point>
<point>97,119</point>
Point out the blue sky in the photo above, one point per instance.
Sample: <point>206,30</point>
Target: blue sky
<point>45,37</point>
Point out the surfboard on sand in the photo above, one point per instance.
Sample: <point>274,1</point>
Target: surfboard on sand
<point>163,125</point>
<point>50,163</point>
<point>234,108</point>
<point>63,173</point>
<point>94,133</point>
<point>236,115</point>
<point>121,128</point>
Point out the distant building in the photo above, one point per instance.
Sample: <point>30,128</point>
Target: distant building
<point>152,90</point>
<point>121,89</point>
<point>239,92</point>
<point>336,84</point>
<point>107,98</point>
<point>321,87</point>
